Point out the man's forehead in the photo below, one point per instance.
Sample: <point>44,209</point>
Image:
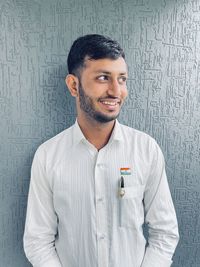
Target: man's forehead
<point>106,65</point>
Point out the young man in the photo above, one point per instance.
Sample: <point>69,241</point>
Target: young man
<point>95,184</point>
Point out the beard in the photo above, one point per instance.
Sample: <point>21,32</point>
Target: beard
<point>87,105</point>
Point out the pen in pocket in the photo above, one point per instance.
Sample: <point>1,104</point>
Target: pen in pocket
<point>121,189</point>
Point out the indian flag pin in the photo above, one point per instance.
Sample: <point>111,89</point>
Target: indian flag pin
<point>125,171</point>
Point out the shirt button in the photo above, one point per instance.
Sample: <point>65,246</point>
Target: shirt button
<point>100,199</point>
<point>102,237</point>
<point>100,165</point>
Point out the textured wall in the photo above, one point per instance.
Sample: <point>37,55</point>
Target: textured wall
<point>162,42</point>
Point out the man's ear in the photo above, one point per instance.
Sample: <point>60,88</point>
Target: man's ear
<point>72,83</point>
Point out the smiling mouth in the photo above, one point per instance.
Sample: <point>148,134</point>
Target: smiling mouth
<point>109,102</point>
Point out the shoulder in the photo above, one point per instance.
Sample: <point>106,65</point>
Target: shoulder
<point>137,135</point>
<point>140,141</point>
<point>55,146</point>
<point>144,149</point>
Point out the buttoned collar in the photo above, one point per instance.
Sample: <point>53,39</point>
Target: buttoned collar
<point>116,135</point>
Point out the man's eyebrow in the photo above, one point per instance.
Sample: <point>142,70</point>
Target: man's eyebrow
<point>108,72</point>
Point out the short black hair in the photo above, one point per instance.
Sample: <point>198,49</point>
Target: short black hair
<point>92,46</point>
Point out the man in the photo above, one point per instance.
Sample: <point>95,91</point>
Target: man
<point>95,184</point>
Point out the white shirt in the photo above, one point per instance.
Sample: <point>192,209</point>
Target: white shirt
<point>75,216</point>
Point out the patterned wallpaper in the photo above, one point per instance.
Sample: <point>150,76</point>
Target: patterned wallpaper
<point>161,39</point>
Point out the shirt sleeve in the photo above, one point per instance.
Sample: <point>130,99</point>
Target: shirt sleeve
<point>160,216</point>
<point>41,219</point>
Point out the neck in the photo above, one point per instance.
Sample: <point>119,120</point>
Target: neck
<point>98,134</point>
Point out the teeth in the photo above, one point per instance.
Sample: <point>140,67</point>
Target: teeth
<point>109,103</point>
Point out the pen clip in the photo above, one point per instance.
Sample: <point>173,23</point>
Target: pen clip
<point>121,190</point>
<point>122,182</point>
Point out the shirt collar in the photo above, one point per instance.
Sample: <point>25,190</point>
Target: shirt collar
<point>116,135</point>
<point>78,135</point>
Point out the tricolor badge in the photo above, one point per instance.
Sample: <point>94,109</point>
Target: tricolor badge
<point>125,171</point>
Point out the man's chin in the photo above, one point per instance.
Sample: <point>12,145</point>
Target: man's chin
<point>104,118</point>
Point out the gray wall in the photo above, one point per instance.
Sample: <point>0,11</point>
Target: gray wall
<point>162,42</point>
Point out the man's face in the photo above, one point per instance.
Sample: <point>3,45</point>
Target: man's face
<point>102,89</point>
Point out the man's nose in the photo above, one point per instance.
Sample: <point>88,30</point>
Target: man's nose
<point>114,88</point>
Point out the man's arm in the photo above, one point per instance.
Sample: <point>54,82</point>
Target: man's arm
<point>159,216</point>
<point>41,220</point>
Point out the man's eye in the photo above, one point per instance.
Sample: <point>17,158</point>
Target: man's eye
<point>102,78</point>
<point>122,79</point>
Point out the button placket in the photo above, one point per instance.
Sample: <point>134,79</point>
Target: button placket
<point>101,217</point>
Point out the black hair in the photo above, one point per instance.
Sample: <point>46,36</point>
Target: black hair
<point>92,46</point>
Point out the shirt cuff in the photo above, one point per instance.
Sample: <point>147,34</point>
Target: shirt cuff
<point>152,259</point>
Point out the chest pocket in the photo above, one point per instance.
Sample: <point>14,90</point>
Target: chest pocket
<point>131,211</point>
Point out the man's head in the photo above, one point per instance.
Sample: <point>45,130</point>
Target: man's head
<point>97,77</point>
<point>92,47</point>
